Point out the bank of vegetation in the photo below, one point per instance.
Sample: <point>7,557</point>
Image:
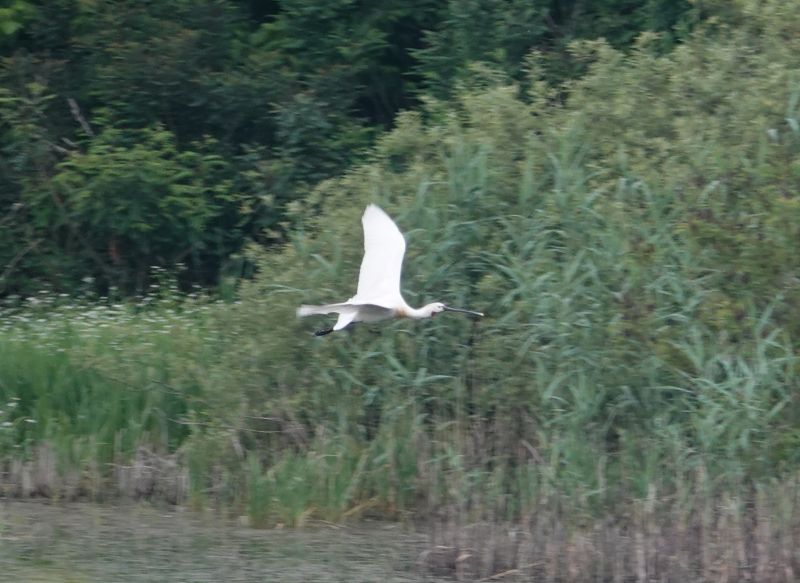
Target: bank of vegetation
<point>628,409</point>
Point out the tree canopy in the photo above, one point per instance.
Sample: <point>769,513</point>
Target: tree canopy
<point>164,133</point>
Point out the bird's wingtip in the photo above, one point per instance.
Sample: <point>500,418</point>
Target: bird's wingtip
<point>373,208</point>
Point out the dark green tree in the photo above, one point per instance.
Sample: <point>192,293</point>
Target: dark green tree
<point>283,94</point>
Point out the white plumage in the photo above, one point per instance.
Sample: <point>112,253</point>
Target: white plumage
<point>378,294</point>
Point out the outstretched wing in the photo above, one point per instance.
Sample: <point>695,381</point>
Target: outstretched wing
<point>348,313</point>
<point>384,247</point>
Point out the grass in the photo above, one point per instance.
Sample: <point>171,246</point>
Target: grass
<point>94,381</point>
<point>521,489</point>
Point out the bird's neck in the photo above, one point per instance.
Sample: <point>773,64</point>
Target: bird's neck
<point>418,313</point>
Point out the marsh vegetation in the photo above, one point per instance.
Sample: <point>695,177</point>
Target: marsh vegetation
<point>628,409</point>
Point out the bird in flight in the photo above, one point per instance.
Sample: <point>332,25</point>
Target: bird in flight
<point>378,295</point>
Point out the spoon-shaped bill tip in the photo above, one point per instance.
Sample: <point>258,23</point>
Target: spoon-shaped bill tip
<point>463,311</point>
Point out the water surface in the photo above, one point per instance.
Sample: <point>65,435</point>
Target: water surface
<point>83,542</point>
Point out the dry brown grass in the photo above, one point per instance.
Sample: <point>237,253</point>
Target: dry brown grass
<point>725,539</point>
<point>147,476</point>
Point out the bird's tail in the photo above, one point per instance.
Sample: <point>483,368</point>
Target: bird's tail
<point>347,313</point>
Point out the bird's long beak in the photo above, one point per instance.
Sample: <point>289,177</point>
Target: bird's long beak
<point>449,309</point>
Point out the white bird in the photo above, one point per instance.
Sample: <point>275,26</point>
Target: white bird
<point>378,295</point>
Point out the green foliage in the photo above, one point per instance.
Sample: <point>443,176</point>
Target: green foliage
<point>142,202</point>
<point>25,154</point>
<point>64,383</point>
<point>286,93</point>
<point>633,249</point>
<point>503,34</point>
<point>351,57</point>
<point>91,76</point>
<point>13,14</point>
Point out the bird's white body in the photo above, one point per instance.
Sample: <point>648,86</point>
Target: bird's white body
<point>378,295</point>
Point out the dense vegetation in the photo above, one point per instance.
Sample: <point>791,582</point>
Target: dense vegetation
<point>625,212</point>
<point>161,133</point>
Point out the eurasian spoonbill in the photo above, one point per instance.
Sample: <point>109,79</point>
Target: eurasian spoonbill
<point>378,295</point>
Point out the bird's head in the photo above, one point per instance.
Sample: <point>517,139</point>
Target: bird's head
<point>434,308</point>
<point>438,307</point>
